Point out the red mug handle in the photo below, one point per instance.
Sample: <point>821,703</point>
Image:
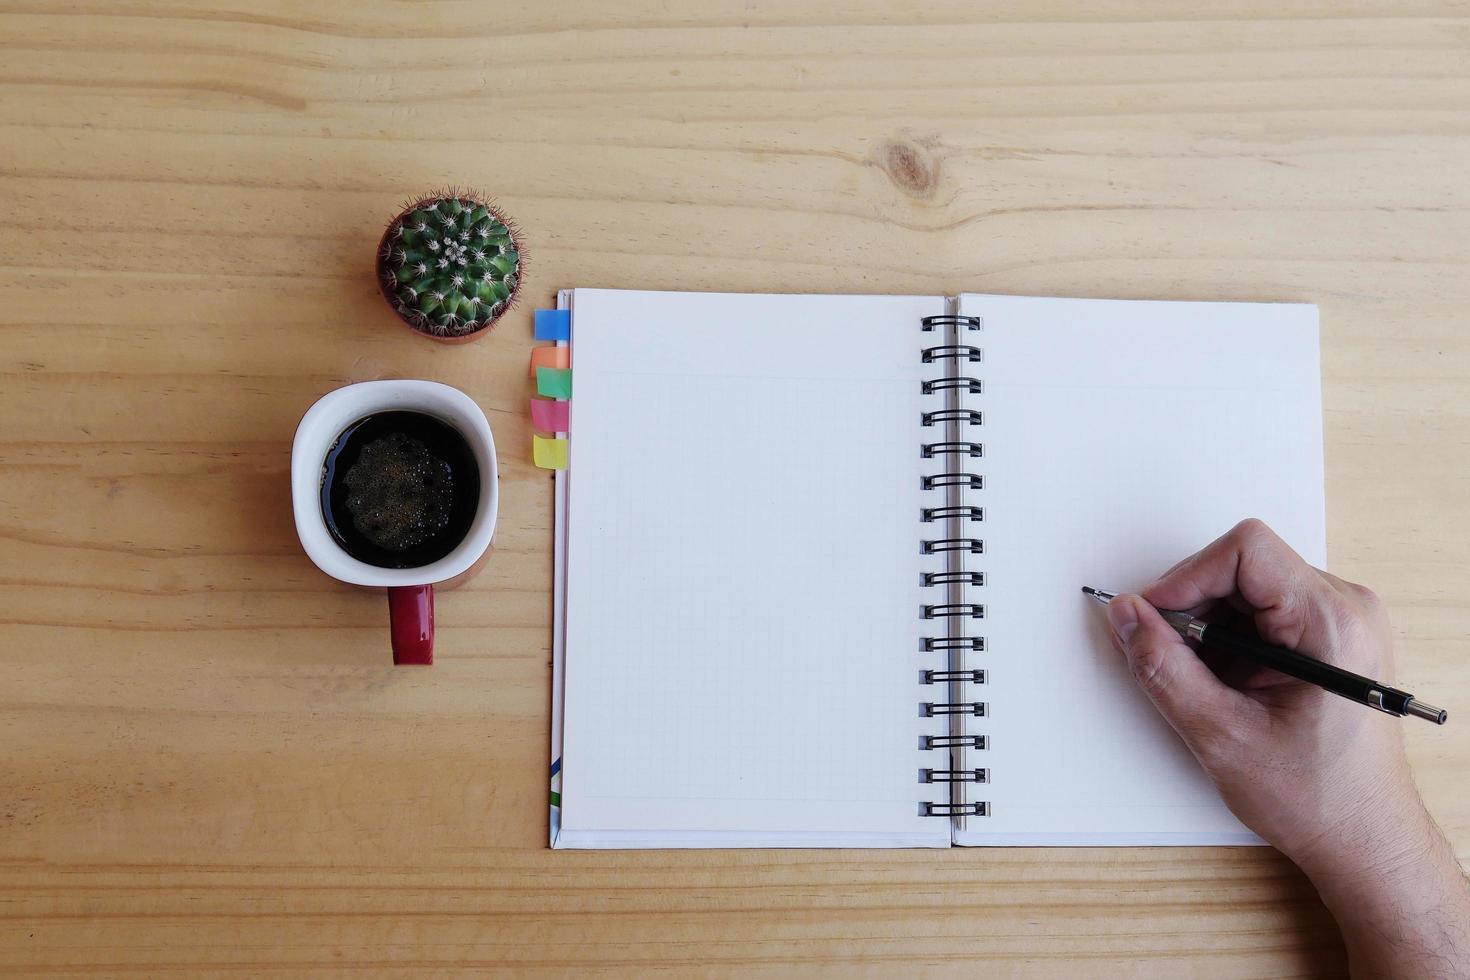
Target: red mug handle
<point>411,615</point>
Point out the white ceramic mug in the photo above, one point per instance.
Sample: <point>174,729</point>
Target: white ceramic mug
<point>410,590</point>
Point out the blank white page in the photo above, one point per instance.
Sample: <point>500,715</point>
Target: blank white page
<point>1120,437</point>
<point>742,612</point>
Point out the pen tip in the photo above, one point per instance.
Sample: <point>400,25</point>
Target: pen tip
<point>1089,590</point>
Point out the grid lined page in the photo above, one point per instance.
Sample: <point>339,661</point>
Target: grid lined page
<point>1119,438</point>
<point>743,567</point>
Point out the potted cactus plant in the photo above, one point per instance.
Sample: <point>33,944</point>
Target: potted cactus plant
<point>450,265</point>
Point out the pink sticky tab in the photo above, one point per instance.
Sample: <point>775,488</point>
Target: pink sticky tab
<point>550,416</point>
<point>549,357</point>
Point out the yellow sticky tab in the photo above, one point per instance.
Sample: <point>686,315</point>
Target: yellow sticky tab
<point>549,454</point>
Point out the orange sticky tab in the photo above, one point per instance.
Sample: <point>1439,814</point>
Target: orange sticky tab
<point>549,357</point>
<point>549,454</point>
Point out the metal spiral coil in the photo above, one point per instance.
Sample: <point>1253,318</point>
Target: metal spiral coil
<point>928,323</point>
<point>948,578</point>
<point>945,676</point>
<point>931,643</point>
<point>954,352</point>
<point>955,809</point>
<point>973,385</point>
<point>938,481</point>
<point>972,449</point>
<point>953,513</point>
<point>929,514</point>
<point>934,708</point>
<point>969,416</point>
<point>954,742</point>
<point>953,610</point>
<point>974,546</point>
<point>954,775</point>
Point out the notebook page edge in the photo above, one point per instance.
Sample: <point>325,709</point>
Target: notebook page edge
<point>558,617</point>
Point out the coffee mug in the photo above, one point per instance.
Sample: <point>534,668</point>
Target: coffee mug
<point>410,590</point>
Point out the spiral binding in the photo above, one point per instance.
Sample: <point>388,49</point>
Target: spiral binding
<point>929,323</point>
<point>954,351</point>
<point>974,546</point>
<point>927,514</point>
<point>971,449</point>
<point>956,517</point>
<point>951,578</point>
<point>973,385</point>
<point>933,709</point>
<point>954,775</point>
<point>971,610</point>
<point>938,481</point>
<point>969,416</point>
<point>955,809</point>
<point>954,742</point>
<point>931,643</point>
<point>941,676</point>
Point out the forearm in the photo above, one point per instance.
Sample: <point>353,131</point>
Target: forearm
<point>1392,882</point>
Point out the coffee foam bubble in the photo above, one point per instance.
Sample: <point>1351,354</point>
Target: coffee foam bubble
<point>399,494</point>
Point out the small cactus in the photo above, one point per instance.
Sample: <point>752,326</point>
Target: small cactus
<point>449,265</point>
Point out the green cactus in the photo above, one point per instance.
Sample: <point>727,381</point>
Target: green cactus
<point>449,265</point>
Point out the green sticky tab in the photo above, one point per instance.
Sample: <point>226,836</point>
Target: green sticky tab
<point>554,382</point>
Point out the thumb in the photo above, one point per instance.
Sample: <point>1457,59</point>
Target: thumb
<point>1189,696</point>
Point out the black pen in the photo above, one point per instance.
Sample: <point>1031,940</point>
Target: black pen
<point>1354,687</point>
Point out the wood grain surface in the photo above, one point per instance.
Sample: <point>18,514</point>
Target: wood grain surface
<point>207,764</point>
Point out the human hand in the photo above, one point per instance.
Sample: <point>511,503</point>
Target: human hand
<point>1294,762</point>
<point>1323,778</point>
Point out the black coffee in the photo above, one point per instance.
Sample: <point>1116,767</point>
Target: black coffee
<point>400,489</point>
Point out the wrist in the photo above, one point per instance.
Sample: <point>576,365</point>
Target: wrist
<point>1384,837</point>
<point>1397,892</point>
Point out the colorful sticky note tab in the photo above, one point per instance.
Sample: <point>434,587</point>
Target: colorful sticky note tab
<point>549,454</point>
<point>554,382</point>
<point>550,416</point>
<point>552,357</point>
<point>553,324</point>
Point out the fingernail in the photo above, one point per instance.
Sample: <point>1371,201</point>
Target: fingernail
<point>1123,618</point>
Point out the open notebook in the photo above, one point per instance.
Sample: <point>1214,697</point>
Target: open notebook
<point>818,559</point>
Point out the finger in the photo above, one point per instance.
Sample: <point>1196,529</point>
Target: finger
<point>1199,706</point>
<point>1293,605</point>
<point>1249,559</point>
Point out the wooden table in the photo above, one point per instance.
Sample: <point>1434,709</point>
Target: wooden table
<point>208,763</point>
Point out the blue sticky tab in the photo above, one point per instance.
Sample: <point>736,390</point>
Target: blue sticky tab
<point>553,324</point>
